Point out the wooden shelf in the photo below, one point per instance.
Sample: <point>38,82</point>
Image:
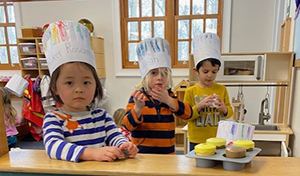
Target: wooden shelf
<point>179,147</point>
<point>97,44</point>
<point>34,72</point>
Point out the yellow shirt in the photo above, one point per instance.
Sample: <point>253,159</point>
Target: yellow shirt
<point>204,124</point>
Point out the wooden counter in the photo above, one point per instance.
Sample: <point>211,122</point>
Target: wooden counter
<point>36,161</point>
<point>283,130</point>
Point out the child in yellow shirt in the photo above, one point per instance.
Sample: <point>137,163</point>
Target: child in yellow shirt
<point>209,100</point>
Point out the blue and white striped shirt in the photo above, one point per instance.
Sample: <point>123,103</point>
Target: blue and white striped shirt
<point>97,129</point>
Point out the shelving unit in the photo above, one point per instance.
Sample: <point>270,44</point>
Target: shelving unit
<point>36,52</point>
<point>97,44</point>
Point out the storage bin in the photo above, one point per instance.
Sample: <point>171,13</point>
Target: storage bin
<point>29,62</point>
<point>27,48</point>
<point>41,47</point>
<point>43,63</point>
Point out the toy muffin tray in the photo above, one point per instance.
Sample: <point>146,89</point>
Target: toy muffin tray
<point>233,164</point>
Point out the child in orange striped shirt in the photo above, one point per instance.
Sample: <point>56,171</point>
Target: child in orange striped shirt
<point>149,112</point>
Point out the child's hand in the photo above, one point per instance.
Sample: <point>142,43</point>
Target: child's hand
<point>161,94</point>
<point>130,148</point>
<point>220,105</point>
<point>206,102</point>
<point>139,99</point>
<point>108,153</point>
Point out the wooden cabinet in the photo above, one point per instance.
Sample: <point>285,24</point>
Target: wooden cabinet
<point>30,48</point>
<point>98,48</point>
<point>276,68</point>
<point>31,55</point>
<point>180,136</point>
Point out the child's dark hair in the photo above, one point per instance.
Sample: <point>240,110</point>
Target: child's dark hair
<point>9,111</point>
<point>213,62</point>
<point>54,77</point>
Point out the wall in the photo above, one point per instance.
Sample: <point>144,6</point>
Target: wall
<point>105,16</point>
<point>252,25</point>
<point>295,120</point>
<point>295,111</point>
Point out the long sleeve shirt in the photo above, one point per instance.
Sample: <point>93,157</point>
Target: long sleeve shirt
<point>204,124</point>
<point>154,130</point>
<point>67,134</point>
<point>11,130</point>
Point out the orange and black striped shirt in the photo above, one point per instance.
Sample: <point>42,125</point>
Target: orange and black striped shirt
<point>154,131</point>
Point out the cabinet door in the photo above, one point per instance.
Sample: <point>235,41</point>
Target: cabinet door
<point>97,45</point>
<point>100,61</point>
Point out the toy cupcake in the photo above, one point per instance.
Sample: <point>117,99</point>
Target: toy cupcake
<point>204,149</point>
<point>220,143</point>
<point>235,152</point>
<point>247,144</point>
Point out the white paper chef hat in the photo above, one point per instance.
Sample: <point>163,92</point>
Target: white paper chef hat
<point>67,41</point>
<point>205,46</point>
<point>153,53</point>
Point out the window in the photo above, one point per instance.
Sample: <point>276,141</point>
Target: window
<point>178,21</point>
<point>9,58</point>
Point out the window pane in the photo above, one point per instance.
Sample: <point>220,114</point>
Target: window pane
<point>11,32</point>
<point>146,8</point>
<point>159,29</point>
<point>211,25</point>
<point>184,7</point>
<point>211,6</point>
<point>132,52</point>
<point>198,7</point>
<point>3,55</point>
<point>183,29</point>
<point>2,36</point>
<point>133,8</point>
<point>183,51</point>
<point>2,15</point>
<point>146,29</point>
<point>133,33</point>
<point>197,27</point>
<point>160,7</point>
<point>14,57</point>
<point>11,14</point>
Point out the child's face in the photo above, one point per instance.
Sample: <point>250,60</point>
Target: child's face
<point>207,74</point>
<point>75,86</point>
<point>157,79</point>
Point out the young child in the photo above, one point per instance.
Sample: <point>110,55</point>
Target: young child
<point>118,117</point>
<point>209,100</point>
<point>10,119</point>
<point>149,112</point>
<point>78,131</point>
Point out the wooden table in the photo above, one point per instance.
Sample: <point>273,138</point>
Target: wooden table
<point>36,161</point>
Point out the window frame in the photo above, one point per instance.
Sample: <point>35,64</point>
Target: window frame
<point>124,32</point>
<point>8,66</point>
<point>171,20</point>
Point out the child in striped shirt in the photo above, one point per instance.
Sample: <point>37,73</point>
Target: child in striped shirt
<point>78,131</point>
<point>149,112</point>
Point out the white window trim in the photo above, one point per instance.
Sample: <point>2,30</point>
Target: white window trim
<point>120,72</point>
<point>18,19</point>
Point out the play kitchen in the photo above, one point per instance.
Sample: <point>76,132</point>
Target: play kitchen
<point>259,85</point>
